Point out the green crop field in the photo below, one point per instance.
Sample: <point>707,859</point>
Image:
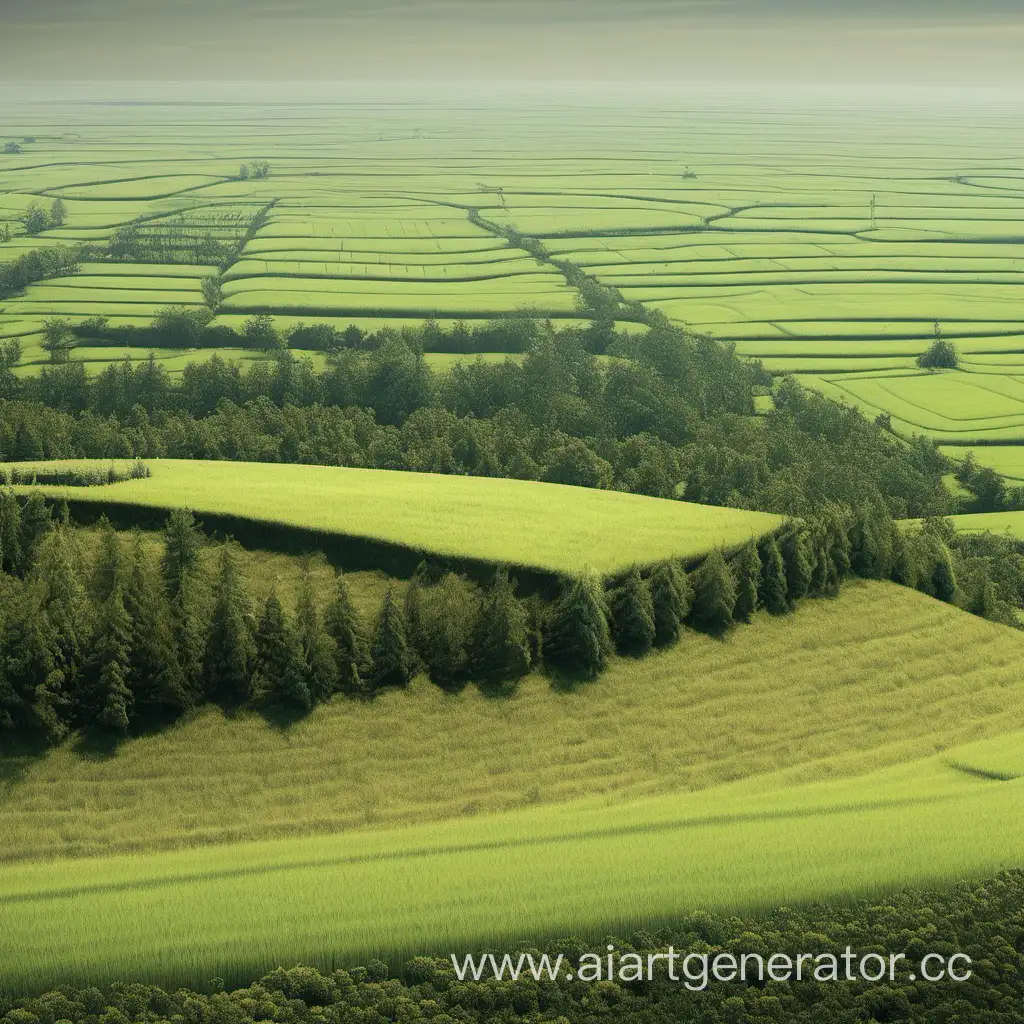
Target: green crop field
<point>399,820</point>
<point>522,523</point>
<point>826,245</point>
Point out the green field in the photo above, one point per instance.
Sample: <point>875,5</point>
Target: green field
<point>517,522</point>
<point>401,819</point>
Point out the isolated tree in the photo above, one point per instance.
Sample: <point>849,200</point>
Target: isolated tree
<point>632,619</point>
<point>748,582</point>
<point>227,664</point>
<point>672,597</point>
<point>11,147</point>
<point>343,625</point>
<point>714,594</point>
<point>35,219</point>
<point>243,172</point>
<point>108,700</point>
<point>578,637</point>
<point>941,354</point>
<point>58,213</point>
<point>501,648</point>
<point>278,672</point>
<point>774,588</point>
<point>390,656</point>
<point>319,665</point>
<point>155,677</point>
<point>58,339</point>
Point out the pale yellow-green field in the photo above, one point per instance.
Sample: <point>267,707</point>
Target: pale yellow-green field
<point>518,522</point>
<point>865,743</point>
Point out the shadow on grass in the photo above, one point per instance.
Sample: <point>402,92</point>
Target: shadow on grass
<point>20,753</point>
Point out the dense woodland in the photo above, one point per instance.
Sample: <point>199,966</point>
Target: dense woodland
<point>678,411</point>
<point>979,919</point>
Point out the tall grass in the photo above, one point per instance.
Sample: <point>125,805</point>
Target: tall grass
<point>878,676</point>
<point>588,868</point>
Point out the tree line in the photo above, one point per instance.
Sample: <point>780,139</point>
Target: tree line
<point>675,416</point>
<point>40,265</point>
<point>980,919</point>
<point>127,637</point>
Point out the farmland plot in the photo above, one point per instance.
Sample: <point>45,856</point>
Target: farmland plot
<point>504,838</point>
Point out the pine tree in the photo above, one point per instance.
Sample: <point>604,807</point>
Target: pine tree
<point>824,579</point>
<point>108,568</point>
<point>441,623</point>
<point>942,578</point>
<point>839,548</point>
<point>227,664</point>
<point>182,544</point>
<point>904,563</point>
<point>774,588</point>
<point>36,522</point>
<point>578,637</point>
<point>391,658</point>
<point>632,619</point>
<point>60,573</point>
<point>343,625</point>
<point>108,701</point>
<point>714,594</point>
<point>797,560</point>
<point>278,672</point>
<point>748,582</point>
<point>12,557</point>
<point>155,679</point>
<point>31,699</point>
<point>672,596</point>
<point>319,665</point>
<point>501,649</point>
<point>182,574</point>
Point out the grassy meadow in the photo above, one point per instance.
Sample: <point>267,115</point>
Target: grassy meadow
<point>386,828</point>
<point>549,527</point>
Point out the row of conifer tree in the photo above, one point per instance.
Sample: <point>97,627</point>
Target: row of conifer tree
<point>138,633</point>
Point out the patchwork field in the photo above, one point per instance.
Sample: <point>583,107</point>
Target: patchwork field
<point>883,711</point>
<point>541,526</point>
<point>824,234</point>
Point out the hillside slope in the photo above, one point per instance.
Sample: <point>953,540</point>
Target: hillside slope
<point>548,527</point>
<point>878,676</point>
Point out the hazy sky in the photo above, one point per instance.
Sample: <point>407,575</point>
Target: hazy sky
<point>958,42</point>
